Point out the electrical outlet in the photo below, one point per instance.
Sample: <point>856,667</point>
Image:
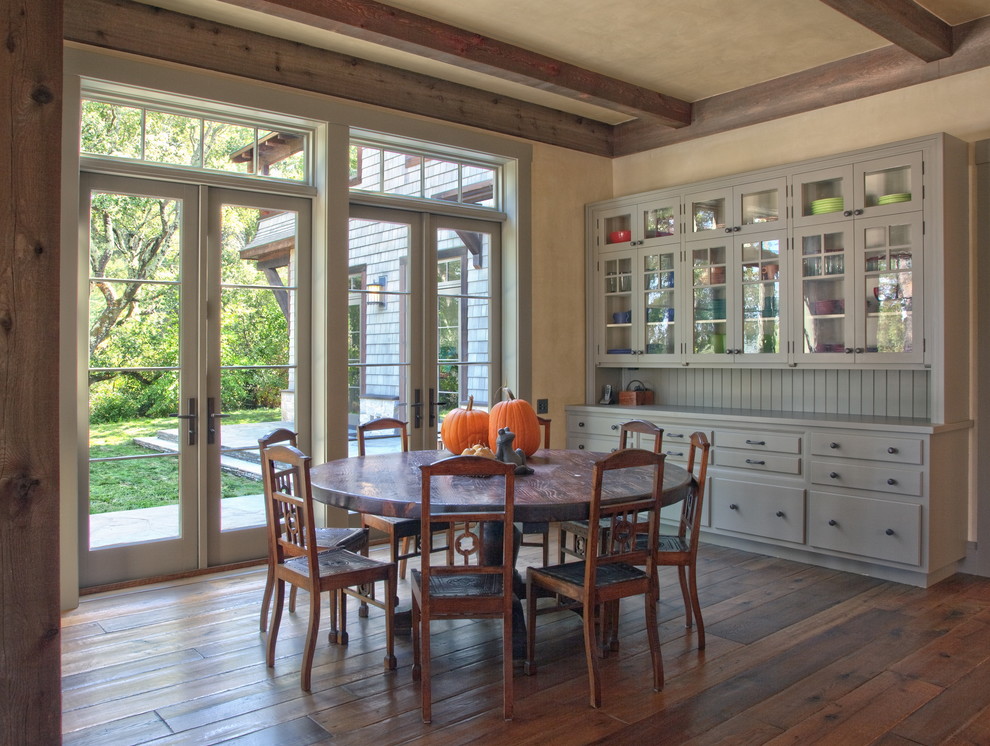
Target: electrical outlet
<point>542,406</point>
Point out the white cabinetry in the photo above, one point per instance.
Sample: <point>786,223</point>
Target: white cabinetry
<point>882,498</point>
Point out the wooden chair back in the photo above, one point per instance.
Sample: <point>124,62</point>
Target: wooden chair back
<point>291,526</point>
<point>383,423</point>
<point>545,424</point>
<point>282,477</point>
<point>618,521</point>
<point>690,525</point>
<point>642,427</point>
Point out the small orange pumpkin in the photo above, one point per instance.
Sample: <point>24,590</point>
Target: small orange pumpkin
<point>519,416</point>
<point>463,428</point>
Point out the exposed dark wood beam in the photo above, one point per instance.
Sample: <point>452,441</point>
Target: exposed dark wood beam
<point>903,22</point>
<point>869,74</point>
<point>375,22</point>
<point>123,25</point>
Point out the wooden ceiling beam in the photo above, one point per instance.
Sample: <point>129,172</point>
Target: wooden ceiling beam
<point>123,25</point>
<point>382,24</point>
<point>903,22</point>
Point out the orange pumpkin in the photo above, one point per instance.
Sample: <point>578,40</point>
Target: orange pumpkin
<point>463,428</point>
<point>519,416</point>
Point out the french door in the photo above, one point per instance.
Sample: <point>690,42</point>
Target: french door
<point>423,319</point>
<point>195,309</point>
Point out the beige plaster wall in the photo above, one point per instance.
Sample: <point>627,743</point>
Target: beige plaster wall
<point>958,105</point>
<point>563,182</point>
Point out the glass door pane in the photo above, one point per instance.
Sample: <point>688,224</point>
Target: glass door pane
<point>466,315</point>
<point>378,327</point>
<point>709,292</point>
<point>617,276</point>
<point>659,293</point>
<point>140,496</point>
<point>760,284</point>
<point>891,287</point>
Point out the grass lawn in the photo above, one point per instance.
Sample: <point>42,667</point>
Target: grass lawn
<point>149,482</point>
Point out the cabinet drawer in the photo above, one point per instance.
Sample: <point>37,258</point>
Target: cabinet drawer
<point>767,510</point>
<point>898,481</point>
<point>869,447</point>
<point>881,529</point>
<point>595,425</point>
<point>591,443</point>
<point>757,441</point>
<point>758,461</point>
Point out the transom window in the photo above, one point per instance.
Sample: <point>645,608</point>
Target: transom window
<point>126,131</point>
<point>406,173</point>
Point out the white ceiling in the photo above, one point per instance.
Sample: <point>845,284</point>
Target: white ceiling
<point>689,49</point>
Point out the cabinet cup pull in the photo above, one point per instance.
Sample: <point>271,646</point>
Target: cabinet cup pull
<point>833,444</point>
<point>833,522</point>
<point>757,462</point>
<point>889,532</point>
<point>780,513</point>
<point>891,450</point>
<point>833,475</point>
<point>891,481</point>
<point>733,506</point>
<point>755,442</point>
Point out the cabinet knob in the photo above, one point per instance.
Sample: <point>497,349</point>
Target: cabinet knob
<point>728,352</point>
<point>757,462</point>
<point>833,475</point>
<point>858,211</point>
<point>833,522</point>
<point>755,442</point>
<point>580,424</point>
<point>728,230</point>
<point>891,481</point>
<point>833,444</point>
<point>615,427</point>
<point>891,450</point>
<point>780,513</point>
<point>847,213</point>
<point>848,350</point>
<point>889,532</point>
<point>733,506</point>
<point>581,446</point>
<point>735,229</point>
<point>859,350</point>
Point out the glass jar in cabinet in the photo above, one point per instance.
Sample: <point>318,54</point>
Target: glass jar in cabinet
<point>748,208</point>
<point>646,224</point>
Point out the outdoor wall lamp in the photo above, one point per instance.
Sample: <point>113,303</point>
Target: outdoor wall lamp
<point>375,291</point>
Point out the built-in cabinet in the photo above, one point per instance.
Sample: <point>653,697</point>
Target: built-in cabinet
<point>854,267</point>
<point>882,498</point>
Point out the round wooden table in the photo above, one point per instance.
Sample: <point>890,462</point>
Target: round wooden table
<point>558,490</point>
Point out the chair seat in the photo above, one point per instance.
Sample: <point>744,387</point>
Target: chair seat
<point>606,574</point>
<point>341,538</point>
<point>461,586</point>
<point>335,562</point>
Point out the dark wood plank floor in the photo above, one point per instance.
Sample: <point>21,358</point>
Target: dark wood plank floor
<point>796,655</point>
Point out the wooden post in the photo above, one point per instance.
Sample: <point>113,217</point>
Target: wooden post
<point>30,153</point>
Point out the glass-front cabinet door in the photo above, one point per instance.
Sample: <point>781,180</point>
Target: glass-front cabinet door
<point>885,186</point>
<point>615,312</point>
<point>660,286</point>
<point>652,223</point>
<point>760,336</point>
<point>825,270</point>
<point>889,284</point>
<point>823,196</point>
<point>711,297</point>
<point>742,209</point>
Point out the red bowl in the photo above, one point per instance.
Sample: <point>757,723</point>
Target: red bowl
<point>619,236</point>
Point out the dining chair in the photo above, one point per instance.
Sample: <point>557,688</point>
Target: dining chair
<point>477,583</point>
<point>539,528</point>
<point>681,549</point>
<point>579,529</point>
<point>397,530</point>
<point>610,569</point>
<point>302,563</point>
<point>355,539</point>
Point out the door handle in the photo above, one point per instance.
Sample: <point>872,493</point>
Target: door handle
<point>190,421</point>
<point>211,421</point>
<point>433,407</point>
<point>417,408</point>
